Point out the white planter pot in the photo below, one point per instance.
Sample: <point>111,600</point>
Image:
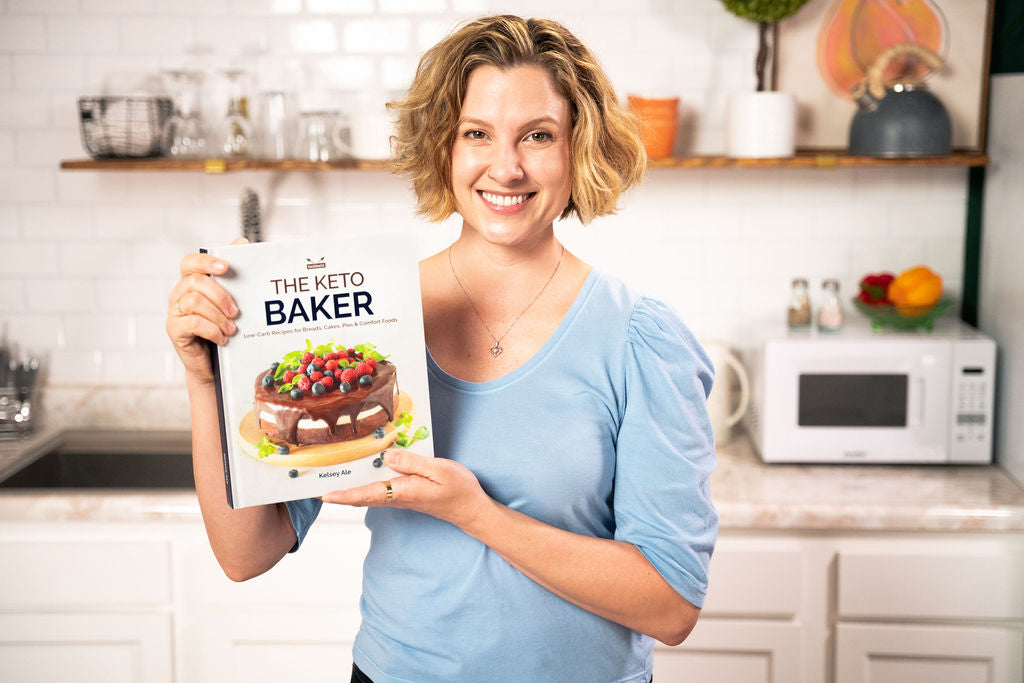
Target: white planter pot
<point>760,124</point>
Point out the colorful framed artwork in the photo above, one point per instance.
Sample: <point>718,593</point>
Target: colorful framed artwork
<point>825,49</point>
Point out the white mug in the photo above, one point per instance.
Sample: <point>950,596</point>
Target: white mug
<point>725,406</point>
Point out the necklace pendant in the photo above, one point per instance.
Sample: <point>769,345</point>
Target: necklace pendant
<point>496,349</point>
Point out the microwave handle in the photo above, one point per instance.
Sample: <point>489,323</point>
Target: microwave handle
<point>915,409</point>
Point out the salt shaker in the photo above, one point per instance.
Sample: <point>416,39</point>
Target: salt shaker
<point>798,316</point>
<point>830,310</point>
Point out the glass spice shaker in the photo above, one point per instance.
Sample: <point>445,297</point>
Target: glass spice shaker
<point>830,311</point>
<point>798,315</point>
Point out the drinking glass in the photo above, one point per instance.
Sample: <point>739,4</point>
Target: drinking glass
<point>323,136</point>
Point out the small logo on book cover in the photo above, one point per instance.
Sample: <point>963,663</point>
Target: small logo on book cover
<point>313,265</point>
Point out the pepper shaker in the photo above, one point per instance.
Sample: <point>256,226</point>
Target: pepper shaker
<point>798,315</point>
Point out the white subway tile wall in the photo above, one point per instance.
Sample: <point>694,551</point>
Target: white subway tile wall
<point>88,258</point>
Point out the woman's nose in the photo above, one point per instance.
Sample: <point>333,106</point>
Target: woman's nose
<point>505,167</point>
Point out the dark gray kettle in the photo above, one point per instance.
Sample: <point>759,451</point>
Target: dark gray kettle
<point>902,119</point>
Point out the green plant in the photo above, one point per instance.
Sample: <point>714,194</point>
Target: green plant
<point>766,13</point>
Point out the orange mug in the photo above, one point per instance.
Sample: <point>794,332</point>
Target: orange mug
<point>659,118</point>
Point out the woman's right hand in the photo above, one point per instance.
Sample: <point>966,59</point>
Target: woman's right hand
<point>199,309</point>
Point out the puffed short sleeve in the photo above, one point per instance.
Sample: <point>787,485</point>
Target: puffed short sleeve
<point>665,450</point>
<point>302,513</point>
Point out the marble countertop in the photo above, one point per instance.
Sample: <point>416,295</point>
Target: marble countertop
<point>748,493</point>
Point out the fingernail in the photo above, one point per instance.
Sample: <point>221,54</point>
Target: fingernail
<point>220,266</point>
<point>233,310</point>
<point>231,327</point>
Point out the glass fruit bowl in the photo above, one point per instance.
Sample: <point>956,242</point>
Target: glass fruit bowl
<point>903,317</point>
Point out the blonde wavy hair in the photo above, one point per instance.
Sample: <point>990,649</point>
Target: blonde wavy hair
<point>607,155</point>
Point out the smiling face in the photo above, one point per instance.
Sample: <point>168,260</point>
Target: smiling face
<point>511,169</point>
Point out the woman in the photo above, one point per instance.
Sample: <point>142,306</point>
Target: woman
<point>567,519</point>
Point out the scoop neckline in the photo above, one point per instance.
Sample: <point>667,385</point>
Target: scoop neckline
<point>536,359</point>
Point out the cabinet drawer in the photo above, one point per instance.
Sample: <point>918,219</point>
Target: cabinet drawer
<point>955,585</point>
<point>326,571</point>
<point>80,573</point>
<point>754,580</point>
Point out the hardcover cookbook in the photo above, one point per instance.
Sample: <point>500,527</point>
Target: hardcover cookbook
<point>327,368</point>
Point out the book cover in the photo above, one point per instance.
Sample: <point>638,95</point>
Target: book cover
<point>326,370</point>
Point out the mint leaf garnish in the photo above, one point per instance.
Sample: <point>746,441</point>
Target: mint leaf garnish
<point>266,447</point>
<point>369,351</point>
<point>404,440</point>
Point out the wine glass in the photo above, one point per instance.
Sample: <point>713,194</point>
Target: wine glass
<point>183,132</point>
<point>235,130</point>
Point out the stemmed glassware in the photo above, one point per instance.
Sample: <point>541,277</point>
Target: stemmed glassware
<point>236,130</point>
<point>183,132</point>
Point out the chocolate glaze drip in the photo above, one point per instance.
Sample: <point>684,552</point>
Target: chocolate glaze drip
<point>328,407</point>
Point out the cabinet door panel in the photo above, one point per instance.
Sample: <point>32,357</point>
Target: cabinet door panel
<point>85,648</point>
<point>730,650</point>
<point>946,585</point>
<point>881,653</point>
<point>276,662</point>
<point>271,645</point>
<point>753,580</point>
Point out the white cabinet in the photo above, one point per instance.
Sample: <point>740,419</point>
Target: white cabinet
<point>926,611</point>
<point>811,607</point>
<point>296,621</point>
<point>266,646</point>
<point>85,609</point>
<point>726,651</point>
<point>86,648</point>
<point>136,603</point>
<point>747,630</point>
<point>898,653</point>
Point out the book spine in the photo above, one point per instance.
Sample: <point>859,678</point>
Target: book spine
<point>218,383</point>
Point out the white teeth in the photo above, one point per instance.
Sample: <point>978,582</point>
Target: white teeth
<point>504,200</point>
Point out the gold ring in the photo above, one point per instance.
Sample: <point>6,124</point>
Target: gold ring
<point>177,305</point>
<point>389,493</point>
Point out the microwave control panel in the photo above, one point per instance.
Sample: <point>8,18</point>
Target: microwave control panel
<point>972,405</point>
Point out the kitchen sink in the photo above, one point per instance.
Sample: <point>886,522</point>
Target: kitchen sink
<point>113,461</point>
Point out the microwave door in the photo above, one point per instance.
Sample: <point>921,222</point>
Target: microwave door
<point>884,407</point>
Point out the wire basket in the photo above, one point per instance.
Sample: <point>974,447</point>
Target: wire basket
<point>118,127</point>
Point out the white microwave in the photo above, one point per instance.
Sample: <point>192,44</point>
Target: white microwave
<point>860,396</point>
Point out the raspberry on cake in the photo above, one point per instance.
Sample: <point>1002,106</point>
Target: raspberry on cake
<point>300,408</point>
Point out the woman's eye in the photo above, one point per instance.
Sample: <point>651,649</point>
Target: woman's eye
<point>474,134</point>
<point>539,136</point>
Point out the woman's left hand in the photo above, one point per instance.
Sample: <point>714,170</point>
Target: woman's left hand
<point>438,487</point>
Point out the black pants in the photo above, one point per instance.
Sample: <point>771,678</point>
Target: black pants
<point>359,677</point>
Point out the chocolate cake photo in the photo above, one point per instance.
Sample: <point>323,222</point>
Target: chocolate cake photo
<point>327,405</point>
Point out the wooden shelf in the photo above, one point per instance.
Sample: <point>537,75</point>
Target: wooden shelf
<point>221,165</point>
<point>801,160</point>
<point>820,160</point>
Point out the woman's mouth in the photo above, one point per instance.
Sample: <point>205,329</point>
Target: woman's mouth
<point>506,203</point>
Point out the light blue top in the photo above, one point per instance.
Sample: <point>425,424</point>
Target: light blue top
<point>603,432</point>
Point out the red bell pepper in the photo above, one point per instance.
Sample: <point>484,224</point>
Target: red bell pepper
<point>874,288</point>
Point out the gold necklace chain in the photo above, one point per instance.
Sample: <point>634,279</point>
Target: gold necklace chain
<point>497,348</point>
